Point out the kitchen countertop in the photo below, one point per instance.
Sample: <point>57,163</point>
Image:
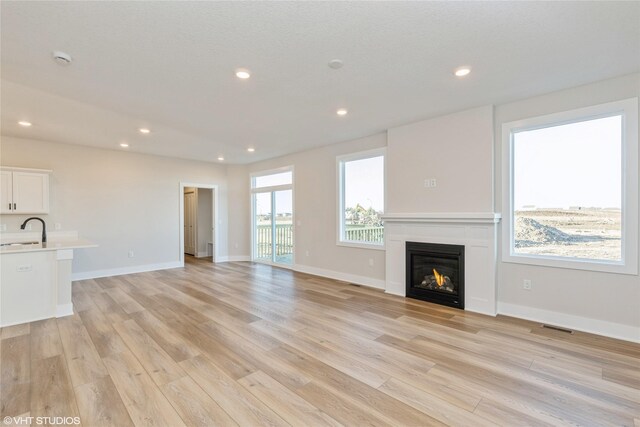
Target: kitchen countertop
<point>53,245</point>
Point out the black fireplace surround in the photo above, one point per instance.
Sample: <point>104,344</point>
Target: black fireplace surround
<point>435,273</point>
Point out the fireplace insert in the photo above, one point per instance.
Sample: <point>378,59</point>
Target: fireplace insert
<point>435,273</point>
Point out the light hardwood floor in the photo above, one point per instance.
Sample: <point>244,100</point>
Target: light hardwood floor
<point>247,344</point>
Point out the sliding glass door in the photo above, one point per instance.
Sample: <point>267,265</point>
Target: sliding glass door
<point>272,201</point>
<point>262,227</point>
<point>283,227</point>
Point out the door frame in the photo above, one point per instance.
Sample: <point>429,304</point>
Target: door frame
<point>271,189</point>
<point>214,211</point>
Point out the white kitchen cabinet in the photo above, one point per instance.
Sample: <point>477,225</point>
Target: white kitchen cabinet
<point>35,279</point>
<point>24,191</point>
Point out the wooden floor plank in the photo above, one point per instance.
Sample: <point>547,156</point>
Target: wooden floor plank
<point>158,364</point>
<point>45,339</point>
<point>51,390</point>
<point>15,376</point>
<point>102,333</point>
<point>292,408</point>
<point>343,386</point>
<point>177,347</point>
<point>195,406</point>
<point>100,404</point>
<point>241,405</point>
<point>83,360</point>
<point>143,399</point>
<point>15,331</point>
<point>126,302</point>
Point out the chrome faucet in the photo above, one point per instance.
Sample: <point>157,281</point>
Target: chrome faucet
<point>44,227</point>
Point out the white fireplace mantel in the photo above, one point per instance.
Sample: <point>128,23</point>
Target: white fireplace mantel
<point>445,217</point>
<point>476,231</point>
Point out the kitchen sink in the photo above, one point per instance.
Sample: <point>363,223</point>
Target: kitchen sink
<point>19,243</point>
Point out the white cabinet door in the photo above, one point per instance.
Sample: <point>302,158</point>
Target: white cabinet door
<point>6,192</point>
<point>30,193</point>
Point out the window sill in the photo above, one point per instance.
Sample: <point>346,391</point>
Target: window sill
<point>361,245</point>
<point>619,267</point>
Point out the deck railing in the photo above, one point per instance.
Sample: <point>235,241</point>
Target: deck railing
<point>357,233</point>
<point>284,238</point>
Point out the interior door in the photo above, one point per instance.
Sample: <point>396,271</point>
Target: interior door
<point>190,223</point>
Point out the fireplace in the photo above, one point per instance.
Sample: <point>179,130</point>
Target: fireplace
<point>435,273</point>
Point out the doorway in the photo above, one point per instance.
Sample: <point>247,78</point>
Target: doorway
<point>198,213</point>
<point>272,218</point>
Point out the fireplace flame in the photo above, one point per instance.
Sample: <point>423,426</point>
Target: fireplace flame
<point>439,277</point>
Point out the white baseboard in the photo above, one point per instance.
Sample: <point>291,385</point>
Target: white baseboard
<point>233,258</point>
<point>337,275</point>
<point>85,275</point>
<point>578,323</point>
<point>202,254</point>
<point>63,310</point>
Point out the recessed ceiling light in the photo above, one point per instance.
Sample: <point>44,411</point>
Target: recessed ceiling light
<point>243,73</point>
<point>144,130</point>
<point>342,112</point>
<point>24,123</point>
<point>221,158</point>
<point>462,71</point>
<point>335,64</point>
<point>124,145</point>
<point>251,149</point>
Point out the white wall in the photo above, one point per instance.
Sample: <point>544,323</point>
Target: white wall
<point>456,150</point>
<point>120,200</point>
<point>239,213</point>
<point>601,302</point>
<point>315,205</point>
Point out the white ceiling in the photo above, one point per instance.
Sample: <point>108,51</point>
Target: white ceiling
<point>170,66</point>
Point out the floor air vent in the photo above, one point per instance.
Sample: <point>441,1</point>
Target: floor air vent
<point>557,328</point>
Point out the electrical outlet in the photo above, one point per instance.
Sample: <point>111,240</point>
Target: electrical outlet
<point>526,284</point>
<point>430,183</point>
<point>3,227</point>
<point>57,226</point>
<point>370,262</point>
<point>306,253</point>
<point>28,227</point>
<point>130,254</point>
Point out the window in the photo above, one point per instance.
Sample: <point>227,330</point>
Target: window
<point>361,199</point>
<point>571,189</point>
<point>272,205</point>
<point>278,178</point>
